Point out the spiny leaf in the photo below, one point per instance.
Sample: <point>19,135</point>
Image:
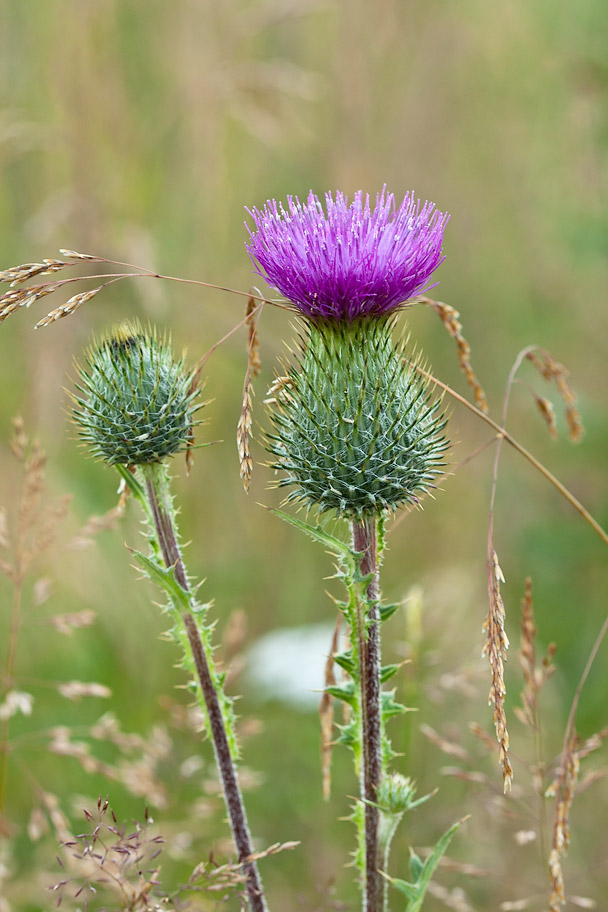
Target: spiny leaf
<point>416,892</point>
<point>320,535</point>
<point>387,672</point>
<point>345,661</point>
<point>165,578</point>
<point>387,611</point>
<point>390,707</point>
<point>344,692</point>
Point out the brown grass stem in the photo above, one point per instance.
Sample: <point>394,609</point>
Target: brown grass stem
<point>365,540</point>
<point>572,500</point>
<point>169,547</point>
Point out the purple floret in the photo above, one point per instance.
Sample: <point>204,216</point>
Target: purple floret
<point>349,260</point>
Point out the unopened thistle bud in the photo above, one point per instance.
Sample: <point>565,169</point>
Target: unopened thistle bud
<point>356,429</point>
<point>135,403</point>
<point>396,794</point>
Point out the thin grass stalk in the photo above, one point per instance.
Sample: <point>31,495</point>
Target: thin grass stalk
<point>168,544</point>
<point>365,541</point>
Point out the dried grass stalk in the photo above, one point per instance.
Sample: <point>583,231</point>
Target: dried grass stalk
<point>449,316</point>
<point>556,373</point>
<point>326,713</point>
<point>495,647</point>
<point>566,788</point>
<point>253,349</point>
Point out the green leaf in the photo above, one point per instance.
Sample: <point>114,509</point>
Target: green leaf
<point>320,535</point>
<point>165,578</point>
<point>390,707</point>
<point>416,865</point>
<point>416,892</point>
<point>345,661</point>
<point>387,672</point>
<point>408,889</point>
<point>344,692</point>
<point>387,611</point>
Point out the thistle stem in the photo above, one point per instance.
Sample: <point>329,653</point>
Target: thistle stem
<point>162,517</point>
<point>365,540</point>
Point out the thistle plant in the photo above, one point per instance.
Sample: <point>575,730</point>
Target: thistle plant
<point>135,407</point>
<point>356,433</point>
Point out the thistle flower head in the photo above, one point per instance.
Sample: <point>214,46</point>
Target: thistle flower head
<point>135,403</point>
<point>347,260</point>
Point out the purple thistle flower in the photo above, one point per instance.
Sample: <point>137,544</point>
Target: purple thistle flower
<point>349,260</point>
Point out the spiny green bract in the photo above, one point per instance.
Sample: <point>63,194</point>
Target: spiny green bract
<point>356,428</point>
<point>137,403</point>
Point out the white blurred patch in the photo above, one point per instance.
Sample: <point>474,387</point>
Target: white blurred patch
<point>289,665</point>
<point>16,701</point>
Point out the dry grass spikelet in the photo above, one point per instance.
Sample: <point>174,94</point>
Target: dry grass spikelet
<point>254,365</point>
<point>94,525</point>
<point>70,306</point>
<point>495,648</point>
<point>74,255</point>
<point>449,316</point>
<point>566,786</point>
<point>545,407</point>
<point>24,297</point>
<point>556,373</point>
<point>278,390</point>
<point>534,676</point>
<point>243,433</point>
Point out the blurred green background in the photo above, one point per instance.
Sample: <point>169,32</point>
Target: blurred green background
<point>140,131</point>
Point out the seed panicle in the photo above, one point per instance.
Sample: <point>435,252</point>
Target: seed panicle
<point>254,365</point>
<point>70,306</point>
<point>495,648</point>
<point>566,787</point>
<point>534,676</point>
<point>555,372</point>
<point>243,433</point>
<point>74,255</point>
<point>450,318</point>
<point>16,275</point>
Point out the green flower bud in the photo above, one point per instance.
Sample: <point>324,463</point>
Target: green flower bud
<point>396,794</point>
<point>356,427</point>
<point>136,403</point>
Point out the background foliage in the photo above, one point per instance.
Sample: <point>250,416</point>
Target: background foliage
<point>139,131</point>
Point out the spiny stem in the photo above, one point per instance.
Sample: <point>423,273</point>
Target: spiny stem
<point>365,541</point>
<point>169,548</point>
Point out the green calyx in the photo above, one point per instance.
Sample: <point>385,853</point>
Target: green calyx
<point>356,429</point>
<point>135,404</point>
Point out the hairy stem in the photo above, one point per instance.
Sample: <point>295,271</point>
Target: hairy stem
<point>162,516</point>
<point>365,540</point>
